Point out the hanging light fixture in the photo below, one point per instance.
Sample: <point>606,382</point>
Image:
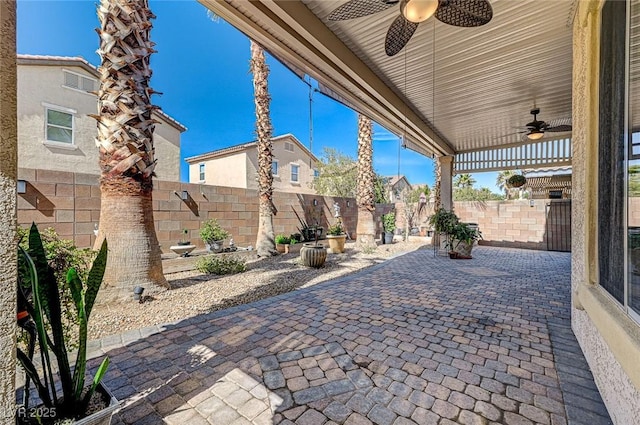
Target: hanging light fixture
<point>535,135</point>
<point>417,11</point>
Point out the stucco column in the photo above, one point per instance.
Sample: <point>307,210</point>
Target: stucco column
<point>8,213</point>
<point>446,181</point>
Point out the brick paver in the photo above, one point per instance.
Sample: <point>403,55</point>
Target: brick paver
<point>417,339</point>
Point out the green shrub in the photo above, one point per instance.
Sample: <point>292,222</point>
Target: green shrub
<point>221,265</point>
<point>62,255</point>
<point>282,239</point>
<point>211,231</point>
<point>295,238</point>
<point>389,222</point>
<point>336,229</point>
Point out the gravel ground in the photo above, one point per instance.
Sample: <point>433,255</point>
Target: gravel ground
<point>194,293</point>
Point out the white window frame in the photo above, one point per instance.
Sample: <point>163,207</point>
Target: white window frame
<point>80,76</point>
<point>55,143</point>
<point>277,173</point>
<point>286,144</point>
<point>202,172</point>
<point>297,180</point>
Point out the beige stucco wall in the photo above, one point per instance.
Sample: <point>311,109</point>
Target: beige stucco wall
<point>240,169</point>
<point>44,84</point>
<point>8,172</point>
<point>229,170</point>
<point>609,339</point>
<point>282,182</point>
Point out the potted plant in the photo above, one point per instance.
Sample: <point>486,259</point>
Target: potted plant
<point>282,244</point>
<point>389,224</point>
<point>213,235</point>
<point>462,239</point>
<point>185,238</point>
<point>336,237</point>
<point>294,243</point>
<point>312,254</point>
<point>516,180</point>
<point>38,295</point>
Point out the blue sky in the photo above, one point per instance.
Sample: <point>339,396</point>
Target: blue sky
<point>202,69</point>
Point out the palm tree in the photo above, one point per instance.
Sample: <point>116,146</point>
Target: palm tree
<point>437,198</point>
<point>501,181</point>
<point>125,141</point>
<point>464,180</point>
<point>365,196</point>
<point>265,242</point>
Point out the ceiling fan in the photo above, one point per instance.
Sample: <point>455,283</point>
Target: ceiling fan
<point>535,129</point>
<point>459,13</point>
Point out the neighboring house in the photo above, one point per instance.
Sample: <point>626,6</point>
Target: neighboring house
<point>549,183</point>
<point>397,187</point>
<point>237,166</point>
<point>55,131</point>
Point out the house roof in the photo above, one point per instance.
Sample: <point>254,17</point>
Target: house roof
<point>245,146</point>
<point>45,60</point>
<point>393,180</point>
<point>548,172</point>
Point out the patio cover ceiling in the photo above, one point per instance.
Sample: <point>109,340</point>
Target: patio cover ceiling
<point>450,90</point>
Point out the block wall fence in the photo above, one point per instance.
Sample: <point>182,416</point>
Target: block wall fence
<point>70,203</point>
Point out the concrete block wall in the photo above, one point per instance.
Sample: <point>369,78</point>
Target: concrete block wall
<point>70,203</point>
<point>516,223</point>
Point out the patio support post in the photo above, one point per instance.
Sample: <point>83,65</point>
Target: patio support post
<point>8,212</point>
<point>446,182</point>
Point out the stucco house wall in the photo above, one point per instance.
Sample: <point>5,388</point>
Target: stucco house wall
<point>41,83</point>
<point>237,166</point>
<point>229,170</point>
<point>609,338</point>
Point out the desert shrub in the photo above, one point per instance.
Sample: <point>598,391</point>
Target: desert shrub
<point>221,265</point>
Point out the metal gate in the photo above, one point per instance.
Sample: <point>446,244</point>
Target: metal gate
<point>558,226</point>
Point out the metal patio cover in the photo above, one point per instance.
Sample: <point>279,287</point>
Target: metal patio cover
<point>450,90</point>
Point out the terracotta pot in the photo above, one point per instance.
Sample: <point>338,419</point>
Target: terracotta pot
<point>313,255</point>
<point>336,243</point>
<point>282,248</point>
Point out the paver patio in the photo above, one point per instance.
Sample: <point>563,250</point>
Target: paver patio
<point>417,339</point>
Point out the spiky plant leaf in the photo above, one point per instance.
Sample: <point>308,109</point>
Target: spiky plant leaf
<point>94,280</point>
<point>32,372</point>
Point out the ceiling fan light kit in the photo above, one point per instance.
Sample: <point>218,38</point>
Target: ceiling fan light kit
<point>535,135</point>
<point>417,11</point>
<point>458,13</point>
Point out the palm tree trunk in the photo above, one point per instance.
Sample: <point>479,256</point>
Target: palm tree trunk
<point>8,218</point>
<point>125,141</point>
<point>437,199</point>
<point>365,198</point>
<point>265,242</point>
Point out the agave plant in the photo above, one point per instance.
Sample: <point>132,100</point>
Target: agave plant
<point>37,278</point>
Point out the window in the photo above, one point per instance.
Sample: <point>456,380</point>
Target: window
<point>59,125</point>
<point>274,168</point>
<point>295,169</point>
<point>316,173</point>
<point>288,147</point>
<point>201,172</point>
<point>76,81</point>
<point>632,175</point>
<point>618,160</point>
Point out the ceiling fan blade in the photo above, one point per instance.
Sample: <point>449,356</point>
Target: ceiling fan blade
<point>359,8</point>
<point>464,13</point>
<point>398,35</point>
<point>559,128</point>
